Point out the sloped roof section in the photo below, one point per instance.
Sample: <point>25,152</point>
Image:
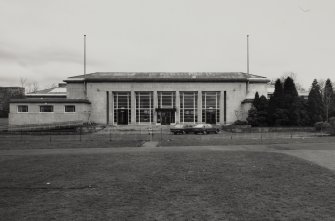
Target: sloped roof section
<point>167,77</point>
<point>50,91</point>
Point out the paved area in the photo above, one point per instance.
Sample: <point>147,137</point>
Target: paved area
<point>325,158</point>
<point>322,154</point>
<point>150,144</point>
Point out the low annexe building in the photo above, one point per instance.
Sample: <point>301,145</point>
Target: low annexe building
<point>142,98</point>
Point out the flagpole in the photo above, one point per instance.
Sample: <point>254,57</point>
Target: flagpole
<point>84,55</point>
<point>248,54</point>
<point>85,86</point>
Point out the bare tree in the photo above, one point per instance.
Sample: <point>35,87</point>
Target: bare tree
<point>322,83</point>
<point>35,86</point>
<point>328,98</point>
<point>23,82</point>
<point>53,85</point>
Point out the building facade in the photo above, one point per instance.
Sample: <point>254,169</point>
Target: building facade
<point>157,98</point>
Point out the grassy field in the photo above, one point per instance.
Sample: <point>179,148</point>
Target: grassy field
<point>51,141</point>
<point>165,185</point>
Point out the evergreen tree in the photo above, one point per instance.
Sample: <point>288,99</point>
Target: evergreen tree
<point>290,92</point>
<point>255,103</point>
<point>257,115</point>
<point>328,99</point>
<point>262,111</point>
<point>252,116</point>
<point>314,103</point>
<point>275,103</point>
<point>289,101</point>
<point>298,113</point>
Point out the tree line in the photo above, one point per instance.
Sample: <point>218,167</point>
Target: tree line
<point>286,108</point>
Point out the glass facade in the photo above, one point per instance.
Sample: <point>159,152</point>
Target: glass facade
<point>188,107</point>
<point>166,107</point>
<point>166,111</point>
<point>166,99</point>
<point>211,107</point>
<point>144,107</point>
<point>121,104</point>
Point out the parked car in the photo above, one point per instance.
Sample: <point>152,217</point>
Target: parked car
<point>181,129</point>
<point>204,129</point>
<point>199,128</point>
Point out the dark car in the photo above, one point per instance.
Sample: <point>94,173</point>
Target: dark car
<point>181,129</point>
<point>204,129</point>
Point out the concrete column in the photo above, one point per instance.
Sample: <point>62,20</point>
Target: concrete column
<point>199,106</point>
<point>133,107</point>
<point>177,107</point>
<point>107,107</point>
<point>221,107</point>
<point>111,107</point>
<point>155,106</point>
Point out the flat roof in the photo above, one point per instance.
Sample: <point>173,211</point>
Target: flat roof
<point>49,100</point>
<point>167,77</point>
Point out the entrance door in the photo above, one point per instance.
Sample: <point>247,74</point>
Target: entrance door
<point>210,117</point>
<point>122,117</point>
<point>165,118</point>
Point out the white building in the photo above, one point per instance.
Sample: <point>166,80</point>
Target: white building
<point>133,98</point>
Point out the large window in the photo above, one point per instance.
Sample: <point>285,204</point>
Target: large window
<point>22,108</point>
<point>122,103</point>
<point>46,108</point>
<point>144,107</point>
<point>189,107</point>
<point>70,108</point>
<point>166,112</point>
<point>211,107</point>
<point>166,99</point>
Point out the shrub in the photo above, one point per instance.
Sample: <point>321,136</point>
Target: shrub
<point>332,125</point>
<point>322,126</point>
<point>240,122</point>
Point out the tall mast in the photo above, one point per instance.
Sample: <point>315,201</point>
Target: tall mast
<point>85,86</point>
<point>84,55</point>
<point>248,54</point>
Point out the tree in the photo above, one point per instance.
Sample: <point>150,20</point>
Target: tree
<point>35,86</point>
<point>275,103</point>
<point>289,101</point>
<point>257,115</point>
<point>263,111</point>
<point>255,103</point>
<point>294,77</point>
<point>314,103</point>
<point>328,99</point>
<point>289,90</point>
<point>298,113</point>
<point>23,82</point>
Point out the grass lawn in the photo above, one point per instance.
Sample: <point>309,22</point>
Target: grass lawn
<point>165,185</point>
<point>241,139</point>
<point>45,141</point>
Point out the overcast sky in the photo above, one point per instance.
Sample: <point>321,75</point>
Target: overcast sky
<point>42,40</point>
